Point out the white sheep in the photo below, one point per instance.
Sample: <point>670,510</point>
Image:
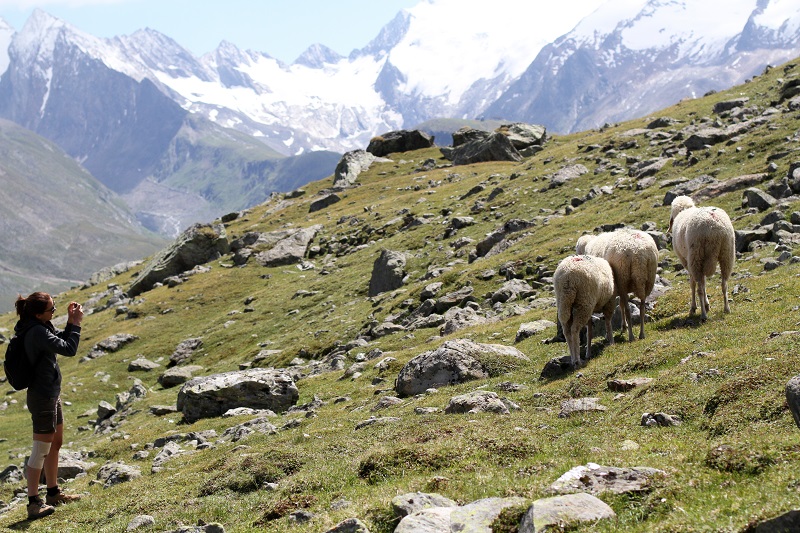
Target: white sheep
<point>633,256</point>
<point>703,237</point>
<point>584,284</point>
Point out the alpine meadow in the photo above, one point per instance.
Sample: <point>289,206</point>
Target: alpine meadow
<point>689,428</point>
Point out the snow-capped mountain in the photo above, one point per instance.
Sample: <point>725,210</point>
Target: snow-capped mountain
<point>193,136</point>
<point>629,58</point>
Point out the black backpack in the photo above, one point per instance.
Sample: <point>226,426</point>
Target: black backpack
<point>17,366</point>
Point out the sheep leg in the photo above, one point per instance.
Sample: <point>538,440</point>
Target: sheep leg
<point>608,313</point>
<point>589,334</point>
<point>703,297</point>
<point>627,321</point>
<point>725,294</point>
<point>641,318</point>
<point>693,306</point>
<point>573,336</point>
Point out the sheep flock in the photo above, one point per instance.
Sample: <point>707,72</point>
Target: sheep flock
<point>622,262</point>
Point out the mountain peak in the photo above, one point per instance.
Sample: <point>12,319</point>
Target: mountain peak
<point>318,55</point>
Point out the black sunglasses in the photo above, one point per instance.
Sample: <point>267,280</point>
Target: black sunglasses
<point>51,310</point>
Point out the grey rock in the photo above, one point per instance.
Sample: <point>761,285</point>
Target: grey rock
<point>758,199</point>
<point>788,522</point>
<point>161,410</point>
<point>11,474</point>
<point>289,250</point>
<point>410,503</point>
<point>560,511</point>
<point>699,139</point>
<point>388,272</point>
<point>497,236</point>
<point>170,451</point>
<point>477,402</point>
<point>350,525</point>
<point>211,396</point>
<point>115,473</point>
<point>625,385</point>
<point>377,421</point>
<point>326,201</point>
<point>457,318</point>
<point>596,479</point>
<point>493,147</point>
<point>105,410</point>
<point>257,425</point>
<point>178,375</point>
<point>529,329</point>
<point>399,141</point>
<point>566,174</point>
<point>197,245</point>
<point>455,361</point>
<point>727,105</point>
<point>386,402</point>
<point>142,365</point>
<point>184,350</point>
<point>455,298</point>
<point>526,138</point>
<point>475,517</point>
<point>350,166</point>
<point>515,289</point>
<point>580,405</point>
<point>140,521</point>
<point>660,419</point>
<point>793,398</point>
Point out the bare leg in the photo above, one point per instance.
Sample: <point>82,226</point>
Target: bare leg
<point>33,474</point>
<point>51,461</point>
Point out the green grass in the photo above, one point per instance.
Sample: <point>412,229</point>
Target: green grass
<point>732,462</point>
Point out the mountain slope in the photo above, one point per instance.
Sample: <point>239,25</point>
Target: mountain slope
<point>628,59</point>
<point>58,224</point>
<point>352,444</point>
<point>94,98</point>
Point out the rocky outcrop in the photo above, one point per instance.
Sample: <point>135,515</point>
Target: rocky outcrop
<point>211,396</point>
<point>399,141</point>
<point>290,249</point>
<point>197,245</point>
<point>492,147</point>
<point>388,272</point>
<point>350,166</point>
<point>455,361</point>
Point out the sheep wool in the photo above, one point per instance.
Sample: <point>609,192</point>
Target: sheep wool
<point>583,284</point>
<point>703,237</point>
<point>633,256</point>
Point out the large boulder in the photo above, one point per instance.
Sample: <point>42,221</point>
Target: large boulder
<point>526,138</point>
<point>455,361</point>
<point>258,388</point>
<point>350,166</point>
<point>475,517</point>
<point>492,147</point>
<point>289,250</point>
<point>399,141</point>
<point>197,245</point>
<point>388,272</point>
<point>559,511</point>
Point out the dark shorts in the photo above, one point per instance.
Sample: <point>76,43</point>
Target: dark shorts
<point>46,412</point>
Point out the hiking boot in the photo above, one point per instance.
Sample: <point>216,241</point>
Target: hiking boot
<point>61,498</point>
<point>39,509</point>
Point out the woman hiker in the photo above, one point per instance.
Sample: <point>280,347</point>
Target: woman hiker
<point>42,342</point>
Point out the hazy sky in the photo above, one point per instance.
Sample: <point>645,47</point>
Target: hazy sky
<point>280,28</point>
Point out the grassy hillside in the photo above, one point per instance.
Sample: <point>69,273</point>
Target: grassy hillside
<point>724,378</point>
<point>58,224</point>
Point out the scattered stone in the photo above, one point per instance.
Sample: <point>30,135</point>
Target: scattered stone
<point>372,421</point>
<point>410,503</point>
<point>142,365</point>
<point>477,402</point>
<point>140,522</point>
<point>660,419</point>
<point>475,517</point>
<point>625,385</point>
<point>388,272</point>
<point>161,410</point>
<point>529,329</point>
<point>559,512</point>
<point>455,361</point>
<point>386,402</point>
<point>114,473</point>
<point>580,405</point>
<point>178,375</point>
<point>197,245</point>
<point>350,525</point>
<point>399,141</point>
<point>184,350</point>
<point>350,166</point>
<point>257,388</point>
<point>596,479</point>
